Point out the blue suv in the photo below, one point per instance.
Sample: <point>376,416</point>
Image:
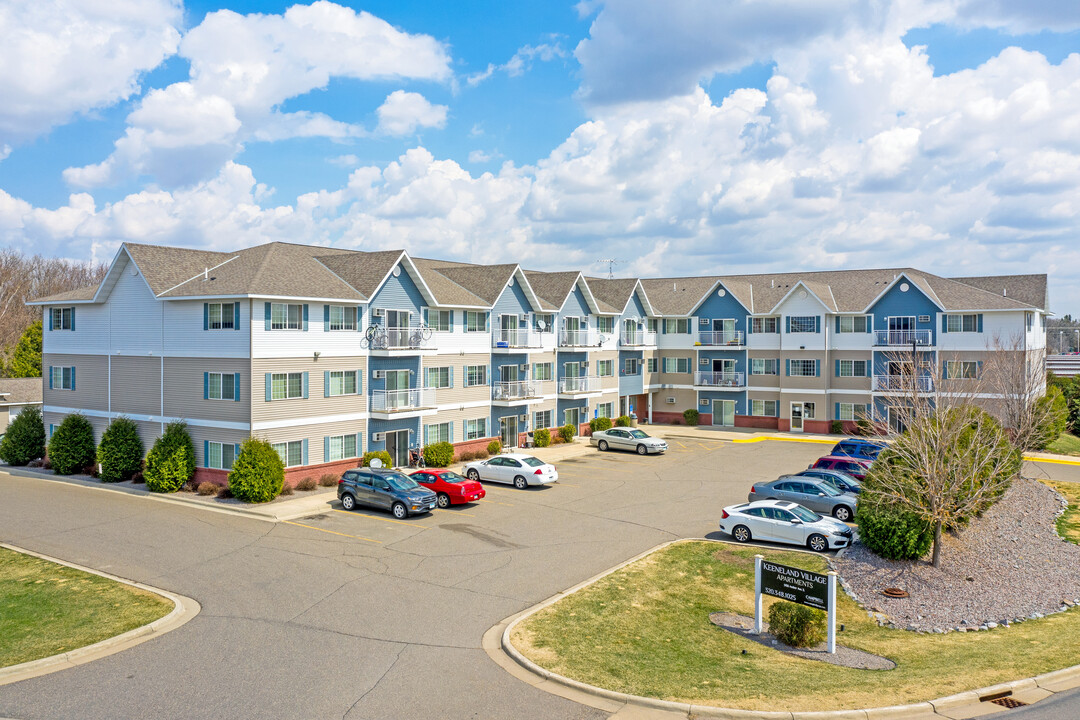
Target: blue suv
<point>858,448</point>
<point>385,490</point>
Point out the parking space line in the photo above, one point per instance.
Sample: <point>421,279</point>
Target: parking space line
<point>332,532</point>
<point>458,512</point>
<point>376,517</point>
<point>496,502</point>
<point>560,482</point>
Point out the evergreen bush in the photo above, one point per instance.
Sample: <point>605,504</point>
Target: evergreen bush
<point>120,452</point>
<point>439,454</point>
<point>257,474</point>
<point>599,424</point>
<point>494,447</point>
<point>623,421</point>
<point>836,427</point>
<point>892,533</point>
<point>1053,411</point>
<point>171,462</point>
<point>387,461</point>
<point>542,437</point>
<point>72,445</point>
<point>567,432</point>
<point>25,438</point>
<point>691,416</point>
<point>797,625</point>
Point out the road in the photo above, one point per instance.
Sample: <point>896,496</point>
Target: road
<point>358,615</point>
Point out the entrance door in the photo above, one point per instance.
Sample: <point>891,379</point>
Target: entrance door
<point>397,389</point>
<point>508,431</point>
<point>397,328</point>
<point>572,375</point>
<point>724,372</point>
<point>723,331</point>
<point>573,417</point>
<point>572,326</point>
<point>508,329</point>
<point>723,413</point>
<point>796,417</point>
<point>397,444</point>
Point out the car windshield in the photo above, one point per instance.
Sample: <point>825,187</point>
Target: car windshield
<point>829,489</point>
<point>451,477</point>
<point>804,514</point>
<point>401,482</point>
<point>637,434</point>
<point>532,462</point>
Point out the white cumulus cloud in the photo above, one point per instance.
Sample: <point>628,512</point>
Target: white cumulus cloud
<point>402,113</point>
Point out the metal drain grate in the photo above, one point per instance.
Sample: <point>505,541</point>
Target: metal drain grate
<point>1008,702</point>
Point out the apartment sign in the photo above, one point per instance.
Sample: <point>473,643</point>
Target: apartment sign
<point>795,585</point>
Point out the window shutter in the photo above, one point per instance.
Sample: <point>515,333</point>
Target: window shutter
<point>266,317</point>
<point>49,310</point>
<point>787,323</point>
<point>206,316</point>
<point>326,383</point>
<point>450,320</point>
<point>269,386</point>
<point>424,315</point>
<point>305,387</point>
<point>944,323</point>
<point>326,448</point>
<point>869,323</point>
<point>869,410</point>
<point>326,317</point>
<point>50,370</point>
<point>305,316</point>
<point>236,316</point>
<point>817,323</point>
<point>817,368</point>
<point>206,386</point>
<point>236,387</point>
<point>359,444</point>
<point>359,381</point>
<point>72,377</point>
<point>359,316</point>
<point>787,367</point>
<point>980,322</point>
<point>836,411</point>
<point>206,453</point>
<point>73,319</point>
<point>837,373</point>
<point>304,458</point>
<point>978,369</point>
<point>236,452</point>
<point>837,323</point>
<point>945,370</point>
<point>487,322</point>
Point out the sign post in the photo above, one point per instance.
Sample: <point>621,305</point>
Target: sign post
<point>798,586</point>
<point>832,611</point>
<point>757,594</point>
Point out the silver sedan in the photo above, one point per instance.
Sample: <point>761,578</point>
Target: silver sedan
<point>815,494</point>
<point>627,439</point>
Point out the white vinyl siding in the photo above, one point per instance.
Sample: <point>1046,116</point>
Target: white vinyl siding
<point>763,408</point>
<point>676,365</point>
<point>764,366</point>
<point>437,377</point>
<point>475,375</point>
<point>286,317</point>
<point>764,325</point>
<point>287,386</point>
<point>341,447</point>
<point>476,429</point>
<point>220,386</point>
<point>605,368</point>
<point>220,456</point>
<point>436,433</point>
<point>342,382</point>
<point>292,452</point>
<point>851,368</point>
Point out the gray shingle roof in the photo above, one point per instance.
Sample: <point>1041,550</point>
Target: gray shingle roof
<point>611,294</point>
<point>552,287</point>
<point>677,296</point>
<point>1028,289</point>
<point>484,283</point>
<point>165,267</point>
<point>20,391</point>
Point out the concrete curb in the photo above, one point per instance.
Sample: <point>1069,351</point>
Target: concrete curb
<point>1056,681</point>
<point>184,608</point>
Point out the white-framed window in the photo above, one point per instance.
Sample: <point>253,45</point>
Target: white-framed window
<point>437,377</point>
<point>961,369</point>
<point>631,366</point>
<point>476,321</point>
<point>543,419</point>
<point>802,323</point>
<point>342,317</point>
<point>62,318</point>
<point>676,326</point>
<point>545,321</point>
<point>63,378</point>
<point>342,382</point>
<point>543,371</point>
<point>220,456</point>
<point>476,429</point>
<point>802,368</point>
<point>605,410</point>
<point>852,323</point>
<point>284,316</point>
<point>851,368</point>
<point>291,452</point>
<point>439,320</point>
<point>652,364</point>
<point>220,316</point>
<point>476,375</point>
<point>341,447</point>
<point>764,366</point>
<point>220,386</point>
<point>808,410</point>
<point>676,365</point>
<point>763,408</point>
<point>605,368</point>
<point>439,432</point>
<point>848,411</point>
<point>605,324</point>
<point>286,386</point>
<point>760,325</point>
<point>962,323</point>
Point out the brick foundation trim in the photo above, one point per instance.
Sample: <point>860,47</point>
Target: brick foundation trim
<point>757,421</point>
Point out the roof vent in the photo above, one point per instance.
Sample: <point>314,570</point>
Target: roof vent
<point>1005,292</point>
<point>206,274</point>
<point>772,283</point>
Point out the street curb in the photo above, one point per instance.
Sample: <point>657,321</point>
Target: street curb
<point>184,609</point>
<point>1061,679</point>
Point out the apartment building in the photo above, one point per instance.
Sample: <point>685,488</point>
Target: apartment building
<point>328,353</point>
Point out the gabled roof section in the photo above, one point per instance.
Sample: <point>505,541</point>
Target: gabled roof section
<point>552,287</point>
<point>361,272</point>
<point>827,301</point>
<point>612,294</point>
<point>1028,289</point>
<point>486,282</point>
<point>446,291</point>
<point>165,267</point>
<point>677,297</point>
<point>20,391</point>
<point>919,282</point>
<point>745,291</point>
<point>82,295</point>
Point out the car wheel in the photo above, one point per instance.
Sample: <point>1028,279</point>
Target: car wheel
<point>602,444</point>
<point>444,500</point>
<point>817,543</point>
<point>348,502</point>
<point>741,533</point>
<point>520,483</point>
<point>399,510</point>
<point>842,513</point>
<point>473,475</point>
<point>642,450</point>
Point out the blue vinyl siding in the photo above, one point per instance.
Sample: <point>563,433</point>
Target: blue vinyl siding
<point>631,384</point>
<point>515,359</point>
<point>399,293</point>
<point>739,356</point>
<point>405,362</point>
<point>913,302</point>
<point>500,412</point>
<point>575,305</point>
<point>710,395</point>
<point>565,357</point>
<point>413,424</point>
<point>512,301</point>
<point>715,307</point>
<point>634,309</point>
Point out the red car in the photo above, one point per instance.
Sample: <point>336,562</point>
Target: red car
<point>855,467</point>
<point>449,487</point>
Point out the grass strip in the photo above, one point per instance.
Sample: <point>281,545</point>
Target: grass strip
<point>1068,524</point>
<point>47,609</point>
<point>645,630</point>
<point>1066,444</point>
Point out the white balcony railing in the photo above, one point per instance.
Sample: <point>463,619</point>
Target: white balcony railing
<point>572,385</point>
<point>637,338</point>
<point>519,338</point>
<point>719,379</point>
<point>520,389</point>
<point>902,338</point>
<point>580,338</point>
<point>402,400</point>
<point>903,383</point>
<point>402,338</point>
<point>720,337</point>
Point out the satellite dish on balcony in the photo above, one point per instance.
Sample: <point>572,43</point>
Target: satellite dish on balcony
<point>375,463</point>
<point>542,324</point>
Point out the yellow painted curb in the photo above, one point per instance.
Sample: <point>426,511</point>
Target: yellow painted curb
<point>784,439</point>
<point>1031,458</point>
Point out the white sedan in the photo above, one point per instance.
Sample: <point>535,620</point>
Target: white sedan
<point>516,468</point>
<point>627,439</point>
<point>784,522</point>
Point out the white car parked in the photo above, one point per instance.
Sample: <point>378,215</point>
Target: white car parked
<point>784,522</point>
<point>627,439</point>
<point>516,468</point>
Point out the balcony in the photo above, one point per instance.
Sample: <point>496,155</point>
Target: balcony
<point>637,338</point>
<point>416,337</point>
<point>579,385</point>
<point>514,339</point>
<point>718,338</point>
<point>719,380</point>
<point>902,338</point>
<point>395,403</point>
<point>903,383</point>
<point>518,391</point>
<point>580,338</point>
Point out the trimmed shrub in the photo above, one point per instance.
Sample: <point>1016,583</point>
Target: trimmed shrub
<point>208,488</point>
<point>25,438</point>
<point>836,427</point>
<point>287,490</point>
<point>494,447</point>
<point>481,455</point>
<point>120,451</point>
<point>71,448</point>
<point>542,437</point>
<point>328,480</point>
<point>567,432</point>
<point>224,493</point>
<point>797,625</point>
<point>91,470</point>
<point>171,462</point>
<point>439,454</point>
<point>307,483</point>
<point>691,416</point>
<point>622,421</point>
<point>387,461</point>
<point>1053,411</point>
<point>466,456</point>
<point>864,427</point>
<point>257,474</point>
<point>138,478</point>
<point>599,424</point>
<point>892,533</point>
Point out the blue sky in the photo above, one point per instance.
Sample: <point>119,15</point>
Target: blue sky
<point>690,137</point>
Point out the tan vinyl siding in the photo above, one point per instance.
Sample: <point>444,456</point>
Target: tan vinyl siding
<point>823,407</point>
<point>136,385</point>
<point>684,399</point>
<point>607,384</point>
<point>458,393</point>
<point>200,434</point>
<point>806,383</point>
<point>4,419</point>
<point>772,381</point>
<point>315,435</point>
<point>849,383</point>
<point>91,382</point>
<point>184,389</point>
<point>676,378</point>
<point>315,405</point>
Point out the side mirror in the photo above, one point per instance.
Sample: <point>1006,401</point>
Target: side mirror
<point>821,494</point>
<point>796,521</point>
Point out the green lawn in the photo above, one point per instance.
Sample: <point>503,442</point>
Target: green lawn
<point>47,608</point>
<point>1066,444</point>
<point>645,630</point>
<point>1068,525</point>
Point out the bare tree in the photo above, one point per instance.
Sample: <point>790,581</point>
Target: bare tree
<point>949,459</point>
<point>1017,376</point>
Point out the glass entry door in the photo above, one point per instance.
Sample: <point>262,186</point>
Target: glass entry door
<point>397,389</point>
<point>573,417</point>
<point>796,417</point>
<point>397,444</point>
<point>723,413</point>
<point>508,431</point>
